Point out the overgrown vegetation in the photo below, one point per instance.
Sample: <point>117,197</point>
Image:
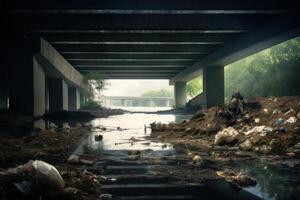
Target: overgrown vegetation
<point>274,71</point>
<point>194,87</point>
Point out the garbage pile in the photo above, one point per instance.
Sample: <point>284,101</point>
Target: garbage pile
<point>37,179</point>
<point>267,125</point>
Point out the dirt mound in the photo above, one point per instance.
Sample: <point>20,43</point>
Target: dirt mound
<point>264,124</point>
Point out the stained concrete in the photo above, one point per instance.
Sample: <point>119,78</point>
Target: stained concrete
<point>213,86</point>
<point>39,99</point>
<point>73,98</point>
<point>180,94</point>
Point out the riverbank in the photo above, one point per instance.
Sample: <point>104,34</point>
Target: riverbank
<point>52,146</point>
<point>224,136</point>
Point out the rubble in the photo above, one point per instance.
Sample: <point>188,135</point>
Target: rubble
<point>241,179</point>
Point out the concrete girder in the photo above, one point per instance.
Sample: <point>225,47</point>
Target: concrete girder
<point>268,36</point>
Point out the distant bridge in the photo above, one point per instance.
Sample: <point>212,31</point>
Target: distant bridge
<point>108,101</point>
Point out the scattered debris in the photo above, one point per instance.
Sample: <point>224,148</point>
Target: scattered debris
<point>241,179</point>
<point>246,146</point>
<point>291,120</point>
<point>226,136</point>
<point>259,129</point>
<point>74,159</point>
<point>197,159</point>
<point>105,197</point>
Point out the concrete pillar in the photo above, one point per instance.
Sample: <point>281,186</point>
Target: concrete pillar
<point>39,92</point>
<point>82,100</point>
<point>180,94</point>
<point>73,98</point>
<point>58,95</point>
<point>213,86</point>
<point>3,99</point>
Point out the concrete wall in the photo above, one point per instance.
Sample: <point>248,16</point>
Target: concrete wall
<point>180,94</point>
<point>58,95</point>
<point>39,100</point>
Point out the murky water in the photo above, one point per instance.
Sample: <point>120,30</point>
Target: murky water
<point>128,132</point>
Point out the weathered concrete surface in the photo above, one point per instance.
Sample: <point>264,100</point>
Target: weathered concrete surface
<point>213,86</point>
<point>57,66</point>
<point>73,98</point>
<point>39,92</point>
<point>58,95</point>
<point>180,94</point>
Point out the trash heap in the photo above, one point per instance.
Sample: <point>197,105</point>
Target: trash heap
<point>267,125</point>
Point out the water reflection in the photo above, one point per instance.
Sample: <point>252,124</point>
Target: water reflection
<point>273,182</point>
<point>127,132</point>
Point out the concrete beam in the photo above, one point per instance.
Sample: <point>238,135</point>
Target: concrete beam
<point>246,45</point>
<point>56,66</point>
<point>213,86</point>
<point>180,94</point>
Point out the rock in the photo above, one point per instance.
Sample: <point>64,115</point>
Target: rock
<point>246,146</point>
<point>52,126</point>
<point>266,110</point>
<point>240,178</point>
<point>226,136</point>
<point>74,159</point>
<point>197,159</point>
<point>291,120</point>
<point>257,120</point>
<point>105,197</point>
<point>291,154</point>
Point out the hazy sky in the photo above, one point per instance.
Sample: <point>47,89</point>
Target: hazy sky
<point>133,87</point>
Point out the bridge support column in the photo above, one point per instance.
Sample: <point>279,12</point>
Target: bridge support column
<point>213,86</point>
<point>180,94</point>
<point>73,98</point>
<point>58,95</point>
<point>3,99</point>
<point>82,100</point>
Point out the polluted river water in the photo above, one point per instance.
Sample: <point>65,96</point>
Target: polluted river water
<point>124,140</point>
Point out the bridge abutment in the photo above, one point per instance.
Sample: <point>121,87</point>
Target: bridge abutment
<point>213,86</point>
<point>180,94</point>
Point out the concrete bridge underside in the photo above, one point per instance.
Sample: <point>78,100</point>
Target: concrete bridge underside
<point>132,39</point>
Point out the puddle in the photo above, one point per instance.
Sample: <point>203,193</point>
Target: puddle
<point>126,132</point>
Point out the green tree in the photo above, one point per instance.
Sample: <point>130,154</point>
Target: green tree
<point>158,93</point>
<point>274,71</point>
<point>195,87</point>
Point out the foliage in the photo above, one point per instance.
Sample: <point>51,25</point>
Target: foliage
<point>274,71</point>
<point>158,93</point>
<point>92,105</point>
<point>195,87</point>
